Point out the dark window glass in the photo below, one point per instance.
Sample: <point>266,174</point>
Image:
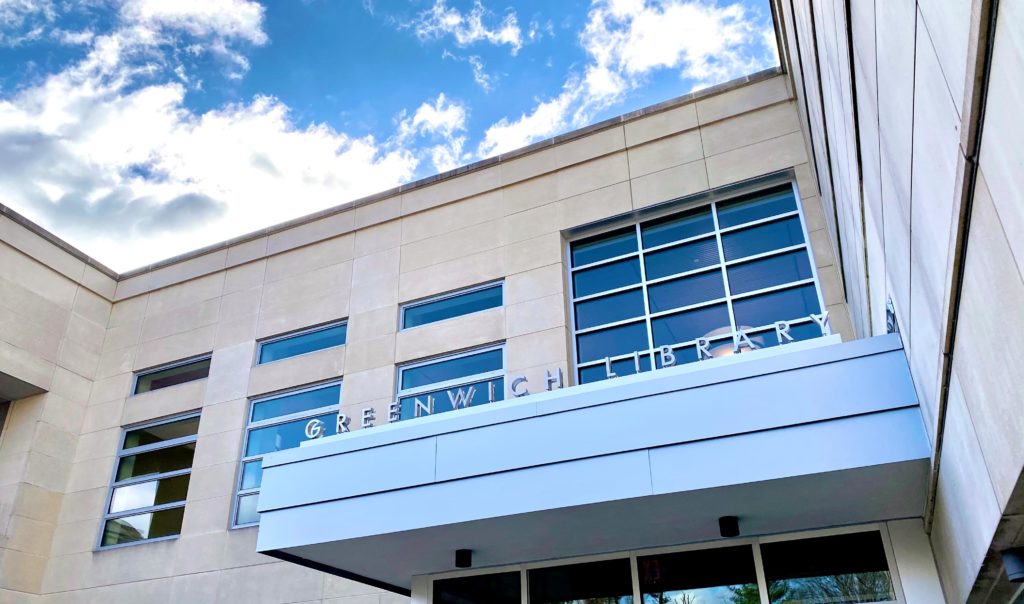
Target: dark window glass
<point>803,331</point>
<point>620,368</point>
<point>451,369</point>
<point>686,291</point>
<point>784,305</point>
<point>723,575</point>
<point>498,588</point>
<point>677,228</point>
<point>609,309</point>
<point>296,403</point>
<point>247,513</point>
<point>252,474</point>
<point>156,462</point>
<point>684,355</point>
<point>287,435</point>
<point>196,370</point>
<point>452,306</point>
<point>602,247</point>
<point>146,494</point>
<point>161,432</point>
<point>680,259</point>
<point>768,272</point>
<point>605,277</point>
<point>840,569</point>
<point>302,343</point>
<point>733,213</point>
<point>762,238</point>
<point>608,582</point>
<point>128,529</point>
<point>612,341</point>
<point>689,325</point>
<point>457,397</point>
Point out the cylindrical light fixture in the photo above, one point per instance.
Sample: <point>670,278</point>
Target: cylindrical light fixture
<point>729,526</point>
<point>463,558</point>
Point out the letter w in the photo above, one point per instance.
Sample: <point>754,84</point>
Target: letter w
<point>462,397</point>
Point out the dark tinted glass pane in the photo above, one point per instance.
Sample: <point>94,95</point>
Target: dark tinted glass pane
<point>451,369</point>
<point>286,436</point>
<point>608,582</point>
<point>156,380</point>
<point>499,588</point>
<point>458,397</point>
<point>680,259</point>
<point>733,213</point>
<point>302,343</point>
<point>454,306</point>
<point>839,569</point>
<point>143,526</point>
<point>684,355</point>
<point>252,474</point>
<point>616,307</point>
<point>145,494</point>
<point>769,272</point>
<point>612,342</point>
<point>689,325</point>
<point>602,247</point>
<point>724,575</point>
<point>677,228</point>
<point>620,368</point>
<point>247,513</point>
<point>803,331</point>
<point>605,277</point>
<point>296,403</point>
<point>785,305</point>
<point>156,462</point>
<point>686,291</point>
<point>762,238</point>
<point>160,433</point>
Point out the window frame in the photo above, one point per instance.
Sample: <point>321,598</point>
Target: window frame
<point>632,555</point>
<point>680,206</point>
<point>499,283</point>
<point>449,384</point>
<point>115,484</point>
<point>295,333</point>
<point>250,425</point>
<point>144,372</point>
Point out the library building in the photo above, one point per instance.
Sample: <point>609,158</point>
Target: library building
<point>761,343</point>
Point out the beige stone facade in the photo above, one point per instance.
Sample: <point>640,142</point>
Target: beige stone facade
<point>80,333</point>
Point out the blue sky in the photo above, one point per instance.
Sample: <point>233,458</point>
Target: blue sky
<point>140,129</point>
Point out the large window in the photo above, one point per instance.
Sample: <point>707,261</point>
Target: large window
<point>842,567</point>
<point>693,279</point>
<point>172,375</point>
<point>455,304</point>
<point>444,384</point>
<point>147,496</point>
<point>302,342</point>
<point>277,423</point>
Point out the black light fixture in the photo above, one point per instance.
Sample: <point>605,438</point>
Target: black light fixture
<point>1013,563</point>
<point>463,558</point>
<point>729,526</point>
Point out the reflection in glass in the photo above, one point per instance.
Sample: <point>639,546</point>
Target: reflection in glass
<point>497,588</point>
<point>452,306</point>
<point>609,309</point>
<point>682,258</point>
<point>247,513</point>
<point>451,369</point>
<point>685,291</point>
<point>287,435</point>
<point>607,582</point>
<point>762,238</point>
<point>146,494</point>
<point>721,576</point>
<point>161,432</point>
<point>733,213</point>
<point>677,227</point>
<point>196,370</point>
<point>839,569</point>
<point>310,341</point>
<point>784,305</point>
<point>450,399</point>
<point>689,325</point>
<point>769,272</point>
<point>611,342</point>
<point>156,462</point>
<point>622,367</point>
<point>152,525</point>
<point>296,402</point>
<point>252,474</point>
<point>606,277</point>
<point>604,246</point>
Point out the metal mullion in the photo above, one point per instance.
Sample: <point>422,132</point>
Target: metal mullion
<point>146,510</point>
<point>768,254</point>
<point>149,477</point>
<point>681,309</point>
<point>446,385</point>
<point>611,325</point>
<point>683,275</point>
<point>610,292</point>
<point>164,444</point>
<point>774,288</point>
<point>762,582</point>
<point>677,243</point>
<point>611,260</point>
<point>284,419</point>
<point>760,221</point>
<point>647,305</point>
<point>721,261</point>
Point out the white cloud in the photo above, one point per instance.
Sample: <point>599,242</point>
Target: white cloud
<point>220,19</point>
<point>442,123</point>
<point>547,119</point>
<point>440,20</point>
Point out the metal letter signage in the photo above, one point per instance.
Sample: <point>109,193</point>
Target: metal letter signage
<point>314,428</point>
